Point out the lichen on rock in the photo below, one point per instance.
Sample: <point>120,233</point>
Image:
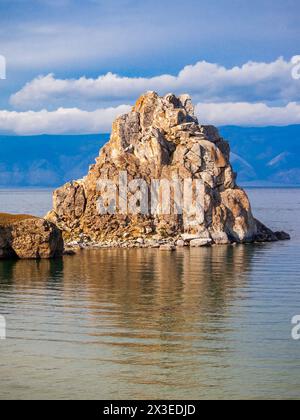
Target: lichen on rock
<point>160,138</point>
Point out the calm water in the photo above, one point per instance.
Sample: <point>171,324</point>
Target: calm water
<point>200,323</point>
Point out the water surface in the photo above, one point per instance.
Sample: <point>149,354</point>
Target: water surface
<point>199,323</point>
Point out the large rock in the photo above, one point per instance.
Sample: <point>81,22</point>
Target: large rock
<point>162,139</point>
<point>23,236</point>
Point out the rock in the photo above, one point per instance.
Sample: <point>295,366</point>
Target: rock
<point>264,234</point>
<point>152,243</point>
<point>282,236</point>
<point>197,243</point>
<point>160,139</point>
<point>180,243</point>
<point>24,236</point>
<point>73,244</point>
<point>69,252</point>
<point>148,230</point>
<point>187,237</point>
<point>167,247</point>
<point>220,238</point>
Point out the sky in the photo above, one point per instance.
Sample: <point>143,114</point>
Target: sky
<point>73,66</point>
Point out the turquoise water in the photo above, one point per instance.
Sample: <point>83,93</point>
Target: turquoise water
<point>200,323</point>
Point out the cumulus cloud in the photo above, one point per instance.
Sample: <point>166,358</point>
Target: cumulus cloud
<point>248,114</point>
<point>77,121</point>
<point>206,82</point>
<point>61,121</point>
<point>255,94</point>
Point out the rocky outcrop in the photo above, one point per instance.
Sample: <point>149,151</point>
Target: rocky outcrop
<point>23,236</point>
<point>159,139</point>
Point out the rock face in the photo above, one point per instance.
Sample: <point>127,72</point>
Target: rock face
<point>29,237</point>
<point>159,139</point>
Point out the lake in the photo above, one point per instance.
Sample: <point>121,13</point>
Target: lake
<point>145,324</point>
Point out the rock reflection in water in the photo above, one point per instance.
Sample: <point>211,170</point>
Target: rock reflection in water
<point>140,322</point>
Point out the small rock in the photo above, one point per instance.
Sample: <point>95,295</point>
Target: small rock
<point>189,237</point>
<point>69,252</point>
<point>153,244</point>
<point>220,238</point>
<point>180,243</point>
<point>197,243</point>
<point>282,236</point>
<point>167,247</point>
<point>72,244</point>
<point>140,241</point>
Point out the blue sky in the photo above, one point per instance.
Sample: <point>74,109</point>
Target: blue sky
<point>72,39</point>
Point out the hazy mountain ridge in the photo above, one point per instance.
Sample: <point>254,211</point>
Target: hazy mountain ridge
<point>267,155</point>
<point>46,161</point>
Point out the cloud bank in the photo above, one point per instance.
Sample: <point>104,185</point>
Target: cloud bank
<point>205,82</point>
<point>61,121</point>
<point>76,121</point>
<point>254,94</point>
<point>248,114</point>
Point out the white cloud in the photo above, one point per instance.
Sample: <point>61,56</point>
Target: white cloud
<point>206,82</point>
<point>61,121</point>
<point>76,121</point>
<point>248,114</point>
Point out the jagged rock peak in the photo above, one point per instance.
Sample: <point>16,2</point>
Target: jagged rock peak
<point>159,139</point>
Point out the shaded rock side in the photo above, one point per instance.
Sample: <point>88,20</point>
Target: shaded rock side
<point>161,139</point>
<point>23,236</point>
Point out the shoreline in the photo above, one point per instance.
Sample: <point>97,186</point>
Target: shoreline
<point>169,244</point>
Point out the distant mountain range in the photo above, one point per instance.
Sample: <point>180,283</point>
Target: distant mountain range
<point>261,156</point>
<point>46,161</point>
<point>267,155</point>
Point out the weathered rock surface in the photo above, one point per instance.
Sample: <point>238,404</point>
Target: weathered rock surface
<point>29,237</point>
<point>162,139</point>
